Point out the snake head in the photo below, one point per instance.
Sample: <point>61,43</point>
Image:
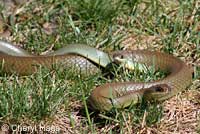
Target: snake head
<point>129,61</point>
<point>123,60</point>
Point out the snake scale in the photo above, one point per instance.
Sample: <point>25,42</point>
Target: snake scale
<point>88,60</point>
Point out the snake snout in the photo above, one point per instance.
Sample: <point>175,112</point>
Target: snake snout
<point>118,58</point>
<point>124,60</point>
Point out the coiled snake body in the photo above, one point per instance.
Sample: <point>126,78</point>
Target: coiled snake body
<point>87,60</point>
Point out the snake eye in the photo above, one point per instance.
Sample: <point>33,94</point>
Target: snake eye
<point>121,56</point>
<point>118,56</point>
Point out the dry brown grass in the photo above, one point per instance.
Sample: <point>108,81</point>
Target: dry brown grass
<point>181,113</point>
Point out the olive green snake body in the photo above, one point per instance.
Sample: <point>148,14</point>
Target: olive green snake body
<point>88,60</point>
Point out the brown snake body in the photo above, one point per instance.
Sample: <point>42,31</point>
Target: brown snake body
<point>110,95</point>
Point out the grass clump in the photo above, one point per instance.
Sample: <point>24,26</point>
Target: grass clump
<point>43,26</point>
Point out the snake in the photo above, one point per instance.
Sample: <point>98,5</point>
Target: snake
<point>88,60</point>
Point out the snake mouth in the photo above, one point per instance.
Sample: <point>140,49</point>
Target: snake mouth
<point>129,63</point>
